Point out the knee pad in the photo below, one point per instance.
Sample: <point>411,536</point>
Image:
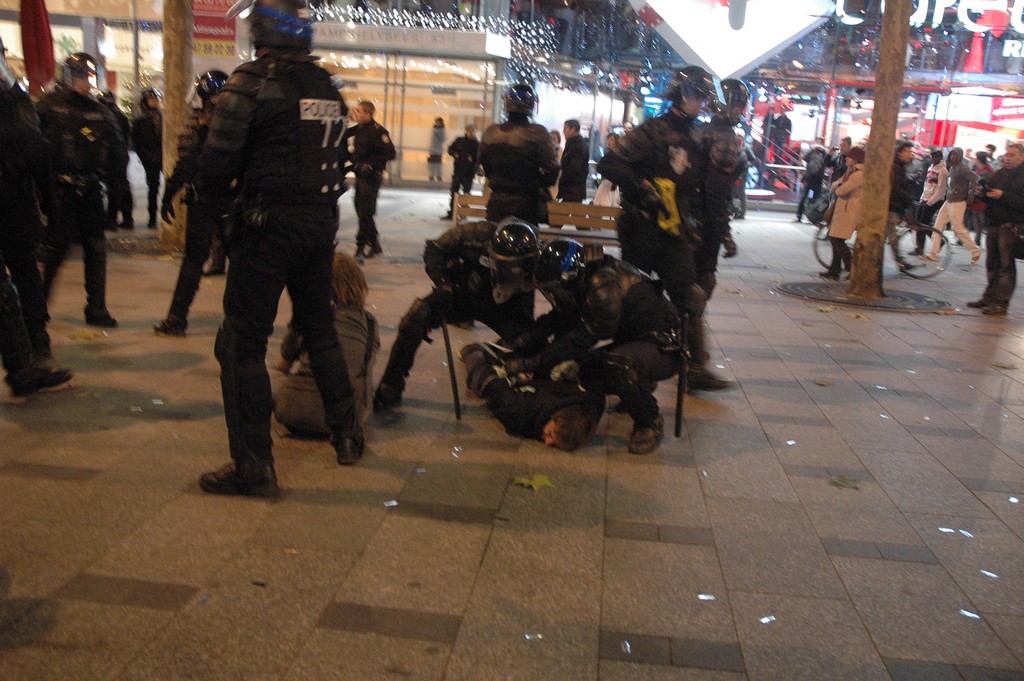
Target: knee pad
<point>417,321</point>
<point>10,303</point>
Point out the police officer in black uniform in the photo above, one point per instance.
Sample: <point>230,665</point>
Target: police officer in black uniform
<point>723,155</point>
<point>277,131</point>
<point>366,150</point>
<point>148,138</point>
<point>87,149</point>
<point>481,271</point>
<point>119,197</point>
<point>519,161</point>
<point>24,171</point>
<point>205,217</point>
<point>659,169</point>
<point>596,297</point>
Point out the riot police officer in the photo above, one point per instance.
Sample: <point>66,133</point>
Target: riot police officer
<point>205,217</point>
<point>519,161</point>
<point>24,171</point>
<point>723,155</point>
<point>366,149</point>
<point>596,297</point>
<point>481,271</point>
<point>86,147</point>
<point>277,130</point>
<point>148,138</point>
<point>659,169</point>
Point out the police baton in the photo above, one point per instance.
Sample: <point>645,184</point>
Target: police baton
<point>451,369</point>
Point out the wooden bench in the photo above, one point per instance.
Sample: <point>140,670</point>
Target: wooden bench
<point>468,206</point>
<point>592,224</point>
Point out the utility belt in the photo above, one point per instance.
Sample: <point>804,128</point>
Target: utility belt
<point>668,341</point>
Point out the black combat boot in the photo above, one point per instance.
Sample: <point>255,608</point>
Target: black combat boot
<point>251,481</point>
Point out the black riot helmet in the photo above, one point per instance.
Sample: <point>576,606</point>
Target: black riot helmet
<point>693,82</point>
<point>209,84</point>
<point>559,271</point>
<point>78,65</point>
<point>521,98</point>
<point>284,24</point>
<point>147,94</point>
<point>736,97</point>
<point>512,255</point>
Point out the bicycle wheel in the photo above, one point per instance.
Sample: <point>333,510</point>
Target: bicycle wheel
<point>922,267</point>
<point>822,247</point>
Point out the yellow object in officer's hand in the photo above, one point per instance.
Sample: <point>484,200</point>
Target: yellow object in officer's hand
<point>668,219</point>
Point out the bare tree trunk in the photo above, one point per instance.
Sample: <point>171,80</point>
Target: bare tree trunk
<point>177,80</point>
<point>869,250</point>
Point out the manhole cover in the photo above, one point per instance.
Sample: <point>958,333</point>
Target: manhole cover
<point>897,301</point>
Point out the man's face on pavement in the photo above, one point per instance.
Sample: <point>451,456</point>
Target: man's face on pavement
<point>1013,158</point>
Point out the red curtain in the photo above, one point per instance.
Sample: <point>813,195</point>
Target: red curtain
<point>37,43</point>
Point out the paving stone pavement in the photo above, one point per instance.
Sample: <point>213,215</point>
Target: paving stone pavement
<point>850,511</point>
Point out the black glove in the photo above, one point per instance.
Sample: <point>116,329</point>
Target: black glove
<point>650,203</point>
<point>167,209</point>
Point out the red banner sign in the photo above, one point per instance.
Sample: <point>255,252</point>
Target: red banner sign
<point>1005,108</point>
<point>212,34</point>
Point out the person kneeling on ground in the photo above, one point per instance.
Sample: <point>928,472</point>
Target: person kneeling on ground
<point>297,404</point>
<point>595,297</point>
<point>481,271</point>
<point>560,413</point>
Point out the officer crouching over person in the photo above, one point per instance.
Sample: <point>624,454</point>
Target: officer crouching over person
<point>659,167</point>
<point>519,161</point>
<point>277,130</point>
<point>482,272</point>
<point>596,297</point>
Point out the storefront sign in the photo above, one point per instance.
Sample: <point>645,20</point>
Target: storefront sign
<point>212,34</point>
<point>1004,108</point>
<point>468,44</point>
<point>728,40</point>
<point>931,13</point>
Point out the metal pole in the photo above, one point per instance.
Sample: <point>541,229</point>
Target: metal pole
<point>135,52</point>
<point>451,370</point>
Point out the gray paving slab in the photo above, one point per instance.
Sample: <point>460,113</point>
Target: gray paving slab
<point>331,654</point>
<point>771,547</point>
<point>781,638</point>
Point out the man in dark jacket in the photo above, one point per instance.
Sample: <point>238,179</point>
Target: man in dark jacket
<point>901,199</point>
<point>814,174</point>
<point>366,149</point>
<point>562,414</point>
<point>148,138</point>
<point>205,216</point>
<point>119,196</point>
<point>465,151</point>
<point>659,168</point>
<point>277,130</point>
<point>481,271</point>
<point>1004,199</point>
<point>519,161</point>
<point>86,149</point>
<point>572,183</point>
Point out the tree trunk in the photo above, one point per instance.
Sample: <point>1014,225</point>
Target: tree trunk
<point>177,80</point>
<point>869,249</point>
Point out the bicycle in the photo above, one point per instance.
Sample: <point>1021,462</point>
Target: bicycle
<point>920,267</point>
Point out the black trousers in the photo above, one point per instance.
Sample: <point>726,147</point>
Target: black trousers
<point>1000,265</point>
<point>153,185</point>
<point>631,371</point>
<point>81,219</point>
<point>462,184</point>
<point>204,220</point>
<point>293,250</point>
<point>20,232</point>
<point>653,250</point>
<point>367,191</point>
<point>15,348</point>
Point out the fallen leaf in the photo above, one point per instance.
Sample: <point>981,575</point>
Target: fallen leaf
<point>1011,367</point>
<point>535,483</point>
<point>947,312</point>
<point>858,316</point>
<point>822,382</point>
<point>825,308</point>
<point>843,482</point>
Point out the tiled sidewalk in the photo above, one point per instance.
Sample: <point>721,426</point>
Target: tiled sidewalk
<point>850,511</point>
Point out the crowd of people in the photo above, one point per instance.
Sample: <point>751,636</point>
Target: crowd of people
<point>262,163</point>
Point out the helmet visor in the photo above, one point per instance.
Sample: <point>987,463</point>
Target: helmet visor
<point>510,276</point>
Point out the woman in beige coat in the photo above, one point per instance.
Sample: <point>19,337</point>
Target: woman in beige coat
<point>848,190</point>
